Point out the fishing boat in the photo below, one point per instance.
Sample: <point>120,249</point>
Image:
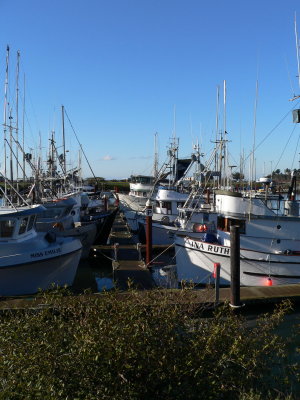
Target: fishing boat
<point>269,232</point>
<point>62,216</point>
<point>31,260</point>
<point>269,241</point>
<point>169,198</point>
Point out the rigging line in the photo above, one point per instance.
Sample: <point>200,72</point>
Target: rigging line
<point>272,130</point>
<point>155,258</point>
<point>80,145</point>
<point>291,134</point>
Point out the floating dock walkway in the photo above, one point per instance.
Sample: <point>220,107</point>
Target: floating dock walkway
<point>129,270</point>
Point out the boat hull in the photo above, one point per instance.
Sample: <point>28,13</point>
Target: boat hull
<point>195,262</point>
<point>30,271</point>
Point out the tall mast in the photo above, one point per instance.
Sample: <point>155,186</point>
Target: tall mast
<point>217,164</point>
<point>253,175</point>
<point>297,49</point>
<point>225,135</point>
<point>5,116</point>
<point>17,117</point>
<point>23,132</point>
<point>64,141</point>
<point>11,147</point>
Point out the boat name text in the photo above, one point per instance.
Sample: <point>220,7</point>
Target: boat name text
<point>211,248</point>
<point>45,253</point>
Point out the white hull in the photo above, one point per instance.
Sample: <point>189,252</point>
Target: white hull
<point>28,269</point>
<point>195,262</point>
<point>161,234</point>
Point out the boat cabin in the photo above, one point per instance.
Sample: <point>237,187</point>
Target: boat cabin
<point>18,225</point>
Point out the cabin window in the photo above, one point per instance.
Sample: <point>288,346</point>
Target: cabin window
<point>7,228</point>
<point>31,222</point>
<point>23,225</point>
<point>167,205</point>
<point>188,215</point>
<point>224,224</point>
<point>180,204</point>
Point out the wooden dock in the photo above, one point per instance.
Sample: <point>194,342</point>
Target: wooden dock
<point>129,270</point>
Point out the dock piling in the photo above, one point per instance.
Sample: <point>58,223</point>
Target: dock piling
<point>217,268</point>
<point>149,213</point>
<point>235,267</point>
<point>139,250</point>
<point>116,248</point>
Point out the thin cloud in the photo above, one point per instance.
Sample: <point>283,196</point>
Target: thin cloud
<point>107,158</point>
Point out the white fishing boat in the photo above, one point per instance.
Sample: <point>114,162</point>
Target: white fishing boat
<point>62,216</point>
<point>165,211</point>
<point>31,260</point>
<point>269,242</point>
<point>167,197</point>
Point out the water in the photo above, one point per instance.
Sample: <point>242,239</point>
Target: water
<point>96,274</point>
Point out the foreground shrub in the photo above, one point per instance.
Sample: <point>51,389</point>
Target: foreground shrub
<point>138,346</point>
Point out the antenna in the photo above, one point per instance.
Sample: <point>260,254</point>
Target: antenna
<point>155,164</point>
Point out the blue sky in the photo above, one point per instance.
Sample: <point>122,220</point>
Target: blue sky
<point>121,67</point>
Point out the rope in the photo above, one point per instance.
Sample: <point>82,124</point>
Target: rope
<point>147,265</point>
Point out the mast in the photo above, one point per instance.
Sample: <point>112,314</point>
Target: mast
<point>17,117</point>
<point>23,132</point>
<point>225,158</point>
<point>297,48</point>
<point>217,163</point>
<point>11,147</point>
<point>5,117</point>
<point>253,175</point>
<point>64,141</point>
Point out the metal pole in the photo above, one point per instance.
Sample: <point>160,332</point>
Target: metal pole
<point>217,267</point>
<point>116,248</point>
<point>235,266</point>
<point>105,203</point>
<point>149,213</point>
<point>139,249</point>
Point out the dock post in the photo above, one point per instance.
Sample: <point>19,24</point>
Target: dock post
<point>139,249</point>
<point>105,203</point>
<point>116,248</point>
<point>235,266</point>
<point>149,213</point>
<point>217,268</point>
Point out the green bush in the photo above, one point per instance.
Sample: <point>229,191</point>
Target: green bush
<point>138,346</point>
